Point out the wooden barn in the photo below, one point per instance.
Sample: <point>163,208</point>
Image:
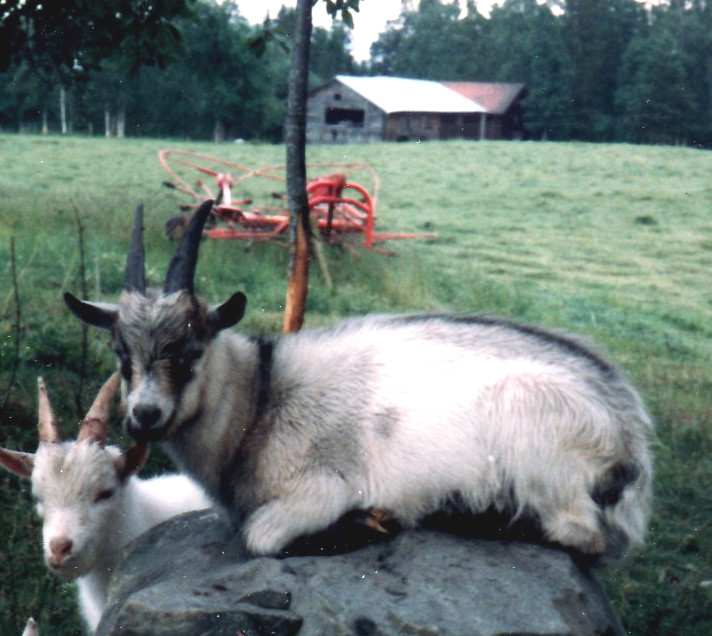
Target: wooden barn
<point>503,103</point>
<point>351,109</point>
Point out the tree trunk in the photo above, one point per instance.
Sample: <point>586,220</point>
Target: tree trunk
<point>45,122</point>
<point>63,109</point>
<point>121,122</point>
<point>218,130</point>
<point>107,123</point>
<point>295,138</point>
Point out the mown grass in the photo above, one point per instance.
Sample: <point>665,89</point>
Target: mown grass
<point>610,241</point>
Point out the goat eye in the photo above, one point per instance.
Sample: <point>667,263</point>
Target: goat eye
<point>124,358</point>
<point>103,495</point>
<point>189,356</point>
<point>172,352</point>
<point>120,350</point>
<point>181,354</point>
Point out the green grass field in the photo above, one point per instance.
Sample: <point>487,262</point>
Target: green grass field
<point>613,242</point>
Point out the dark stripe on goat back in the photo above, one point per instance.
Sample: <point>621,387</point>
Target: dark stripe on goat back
<point>569,345</point>
<point>609,489</point>
<point>238,489</point>
<point>264,375</point>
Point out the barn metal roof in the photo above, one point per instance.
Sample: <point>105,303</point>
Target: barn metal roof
<point>495,97</point>
<point>398,94</point>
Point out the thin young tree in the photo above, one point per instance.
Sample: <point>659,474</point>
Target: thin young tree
<point>300,238</point>
<point>297,200</point>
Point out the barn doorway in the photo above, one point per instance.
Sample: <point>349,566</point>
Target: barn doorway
<point>355,116</point>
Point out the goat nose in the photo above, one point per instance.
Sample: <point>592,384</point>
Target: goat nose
<point>146,416</point>
<point>61,549</point>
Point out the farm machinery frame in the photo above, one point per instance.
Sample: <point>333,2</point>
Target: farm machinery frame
<point>338,206</point>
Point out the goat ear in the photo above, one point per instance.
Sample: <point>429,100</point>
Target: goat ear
<point>228,314</point>
<point>97,314</point>
<point>21,464</point>
<point>131,461</point>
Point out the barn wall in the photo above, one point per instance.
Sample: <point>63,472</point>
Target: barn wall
<point>336,114</point>
<point>425,126</point>
<point>506,126</point>
<point>460,126</point>
<point>412,126</point>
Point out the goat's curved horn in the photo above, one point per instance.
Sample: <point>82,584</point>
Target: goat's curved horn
<point>46,422</point>
<point>181,271</point>
<point>135,279</point>
<point>95,423</point>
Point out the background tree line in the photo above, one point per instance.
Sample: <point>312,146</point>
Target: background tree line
<point>597,70</point>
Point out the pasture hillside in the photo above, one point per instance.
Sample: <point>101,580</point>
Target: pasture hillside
<point>613,242</point>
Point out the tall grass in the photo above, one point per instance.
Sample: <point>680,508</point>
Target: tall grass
<point>611,241</point>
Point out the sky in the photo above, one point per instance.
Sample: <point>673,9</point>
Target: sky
<point>368,22</point>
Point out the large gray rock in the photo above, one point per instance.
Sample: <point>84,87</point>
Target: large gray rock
<point>190,577</point>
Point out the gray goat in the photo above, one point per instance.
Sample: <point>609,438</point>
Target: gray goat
<point>402,413</point>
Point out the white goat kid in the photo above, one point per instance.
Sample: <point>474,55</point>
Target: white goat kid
<point>399,413</point>
<point>91,504</point>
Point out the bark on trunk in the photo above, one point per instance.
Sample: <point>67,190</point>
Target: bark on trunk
<point>295,138</point>
<point>121,122</point>
<point>218,131</point>
<point>63,109</point>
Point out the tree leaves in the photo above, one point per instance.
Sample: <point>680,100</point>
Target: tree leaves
<point>342,8</point>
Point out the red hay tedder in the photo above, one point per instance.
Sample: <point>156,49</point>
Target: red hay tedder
<point>337,205</point>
